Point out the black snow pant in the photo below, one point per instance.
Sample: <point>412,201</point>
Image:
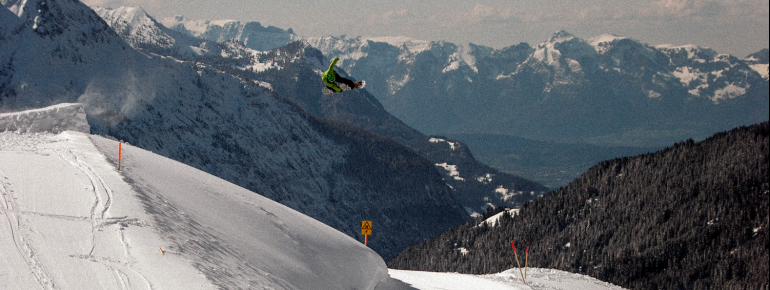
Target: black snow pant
<point>339,79</point>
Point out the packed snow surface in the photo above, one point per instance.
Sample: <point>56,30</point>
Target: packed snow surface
<point>507,280</point>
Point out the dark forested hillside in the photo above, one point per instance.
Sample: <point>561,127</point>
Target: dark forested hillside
<point>692,216</point>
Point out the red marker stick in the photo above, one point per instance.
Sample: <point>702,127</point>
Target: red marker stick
<point>120,151</point>
<point>526,259</point>
<point>519,264</point>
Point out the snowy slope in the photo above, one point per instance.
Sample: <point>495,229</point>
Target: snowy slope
<point>507,280</point>
<point>73,221</point>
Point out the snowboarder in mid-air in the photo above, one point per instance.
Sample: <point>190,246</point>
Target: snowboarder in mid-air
<point>330,78</point>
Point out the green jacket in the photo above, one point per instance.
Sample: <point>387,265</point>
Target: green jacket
<point>330,75</point>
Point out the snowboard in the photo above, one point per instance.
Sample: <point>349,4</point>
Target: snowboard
<point>344,87</point>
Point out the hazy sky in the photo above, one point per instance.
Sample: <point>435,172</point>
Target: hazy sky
<point>737,27</point>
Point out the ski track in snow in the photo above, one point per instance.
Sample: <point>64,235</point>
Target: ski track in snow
<point>69,155</point>
<point>103,227</point>
<point>12,214</point>
<point>100,219</point>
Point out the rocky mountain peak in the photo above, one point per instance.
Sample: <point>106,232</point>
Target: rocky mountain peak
<point>561,36</point>
<point>54,18</point>
<point>136,26</point>
<point>251,33</point>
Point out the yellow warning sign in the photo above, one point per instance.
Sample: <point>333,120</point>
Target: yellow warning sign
<point>366,228</point>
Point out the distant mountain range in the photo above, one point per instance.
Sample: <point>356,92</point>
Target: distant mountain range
<point>251,34</point>
<point>607,90</point>
<point>566,93</point>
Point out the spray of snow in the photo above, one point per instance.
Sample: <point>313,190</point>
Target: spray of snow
<point>115,98</point>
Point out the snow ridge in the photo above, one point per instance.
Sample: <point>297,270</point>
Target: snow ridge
<point>54,119</point>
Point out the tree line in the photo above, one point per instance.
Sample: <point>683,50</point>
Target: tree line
<point>692,216</point>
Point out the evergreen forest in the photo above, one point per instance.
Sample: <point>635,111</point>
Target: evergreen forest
<point>691,216</point>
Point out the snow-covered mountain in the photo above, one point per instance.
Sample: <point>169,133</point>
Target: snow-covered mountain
<point>57,51</point>
<point>606,89</point>
<point>142,32</point>
<point>252,34</point>
<point>136,27</point>
<point>48,41</point>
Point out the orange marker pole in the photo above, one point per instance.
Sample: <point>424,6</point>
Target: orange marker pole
<point>120,150</point>
<point>161,251</point>
<point>365,238</point>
